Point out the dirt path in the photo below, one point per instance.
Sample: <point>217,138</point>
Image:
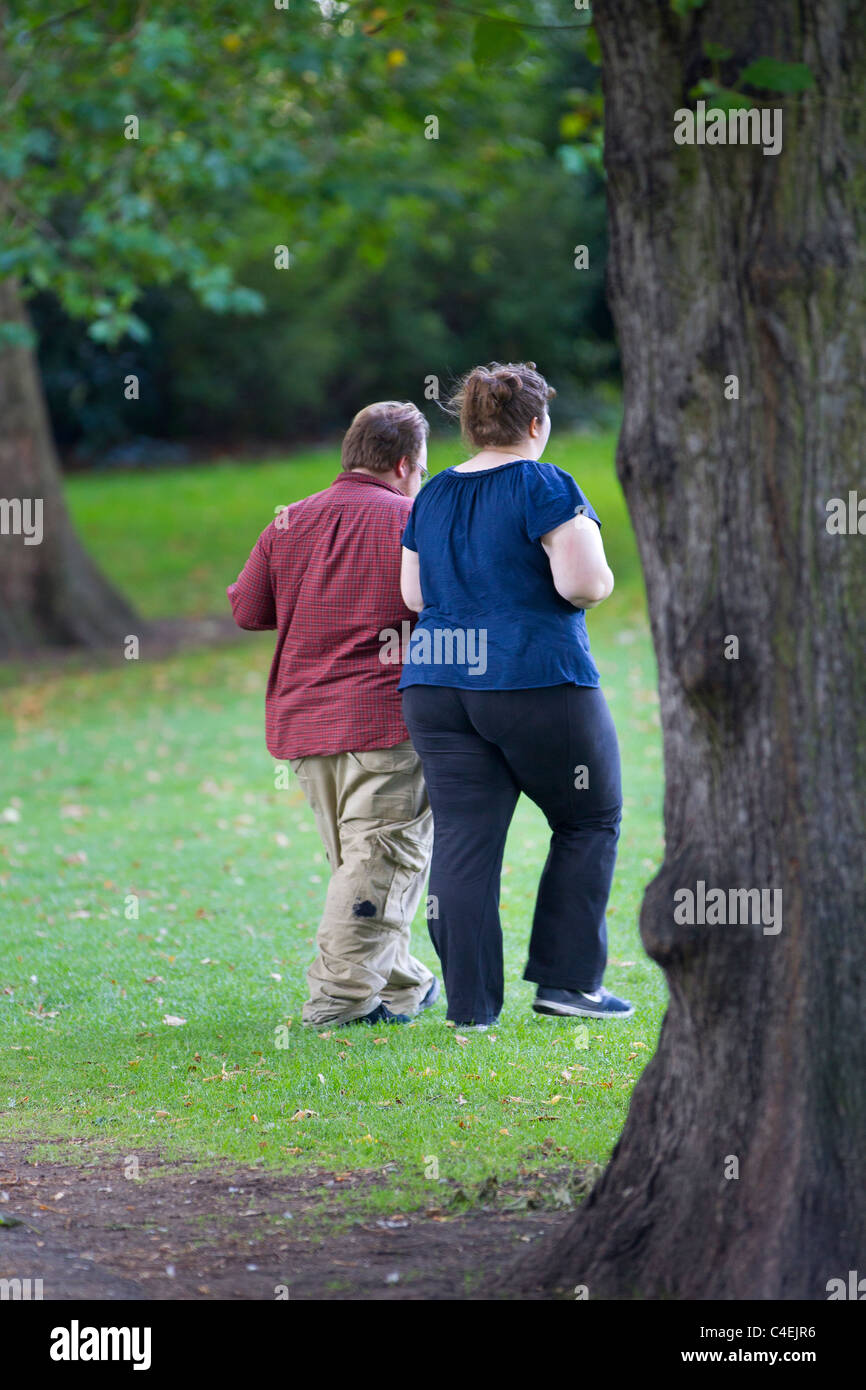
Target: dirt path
<point>237,1233</point>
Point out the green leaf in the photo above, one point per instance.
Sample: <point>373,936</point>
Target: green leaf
<point>14,335</point>
<point>717,53</point>
<point>776,76</point>
<point>682,7</point>
<point>592,47</point>
<point>104,331</point>
<point>720,98</point>
<point>496,44</point>
<point>580,159</point>
<point>246,301</point>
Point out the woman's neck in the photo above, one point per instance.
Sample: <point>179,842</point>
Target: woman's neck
<point>493,458</point>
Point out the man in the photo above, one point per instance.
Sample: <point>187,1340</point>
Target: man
<point>326,575</point>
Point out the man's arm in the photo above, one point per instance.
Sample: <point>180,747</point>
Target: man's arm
<point>252,596</point>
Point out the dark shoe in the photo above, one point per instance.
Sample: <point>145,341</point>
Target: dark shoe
<point>431,996</point>
<point>476,1027</point>
<point>571,1003</point>
<point>381,1014</point>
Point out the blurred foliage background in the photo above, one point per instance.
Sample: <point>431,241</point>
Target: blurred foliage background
<point>410,256</point>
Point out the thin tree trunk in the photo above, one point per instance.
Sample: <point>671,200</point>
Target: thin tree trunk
<point>723,261</point>
<point>51,593</point>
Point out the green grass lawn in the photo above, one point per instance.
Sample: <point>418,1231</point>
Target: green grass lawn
<point>148,787</point>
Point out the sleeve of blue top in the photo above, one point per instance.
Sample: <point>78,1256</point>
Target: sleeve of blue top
<point>409,533</point>
<point>552,497</point>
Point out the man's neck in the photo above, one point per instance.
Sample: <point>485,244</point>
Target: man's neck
<point>390,478</point>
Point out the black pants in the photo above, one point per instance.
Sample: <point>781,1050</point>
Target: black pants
<point>480,749</point>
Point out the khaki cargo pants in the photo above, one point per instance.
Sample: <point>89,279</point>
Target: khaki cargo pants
<point>377,828</point>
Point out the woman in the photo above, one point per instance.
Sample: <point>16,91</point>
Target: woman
<point>501,555</point>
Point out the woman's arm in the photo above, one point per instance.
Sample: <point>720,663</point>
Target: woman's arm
<point>580,571</point>
<point>410,581</point>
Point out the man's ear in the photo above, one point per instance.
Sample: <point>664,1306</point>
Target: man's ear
<point>402,466</point>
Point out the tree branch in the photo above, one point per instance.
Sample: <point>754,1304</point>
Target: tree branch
<point>58,19</point>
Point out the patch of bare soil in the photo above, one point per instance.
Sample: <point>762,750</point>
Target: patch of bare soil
<point>230,1232</point>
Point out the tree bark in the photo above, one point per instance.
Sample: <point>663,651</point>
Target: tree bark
<point>50,593</point>
<point>724,260</point>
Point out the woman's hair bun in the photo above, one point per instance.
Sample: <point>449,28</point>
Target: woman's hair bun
<point>497,403</point>
<point>504,388</point>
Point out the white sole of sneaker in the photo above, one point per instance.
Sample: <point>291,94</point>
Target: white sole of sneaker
<point>572,1011</point>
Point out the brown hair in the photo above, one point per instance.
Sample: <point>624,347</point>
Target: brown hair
<point>496,404</point>
<point>383,433</point>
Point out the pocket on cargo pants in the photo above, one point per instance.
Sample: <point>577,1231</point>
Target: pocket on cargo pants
<point>385,864</point>
<point>389,781</point>
<point>386,831</point>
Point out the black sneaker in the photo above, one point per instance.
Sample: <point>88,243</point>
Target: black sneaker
<point>431,996</point>
<point>573,1003</point>
<point>381,1014</point>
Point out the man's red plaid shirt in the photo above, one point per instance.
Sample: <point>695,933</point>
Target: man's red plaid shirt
<point>326,575</point>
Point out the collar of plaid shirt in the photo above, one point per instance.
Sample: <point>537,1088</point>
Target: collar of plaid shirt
<point>356,475</point>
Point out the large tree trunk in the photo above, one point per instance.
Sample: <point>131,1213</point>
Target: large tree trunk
<point>724,260</point>
<point>50,593</point>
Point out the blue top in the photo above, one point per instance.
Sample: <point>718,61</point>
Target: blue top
<point>492,619</point>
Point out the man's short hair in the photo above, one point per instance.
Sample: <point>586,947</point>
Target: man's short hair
<point>383,433</point>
